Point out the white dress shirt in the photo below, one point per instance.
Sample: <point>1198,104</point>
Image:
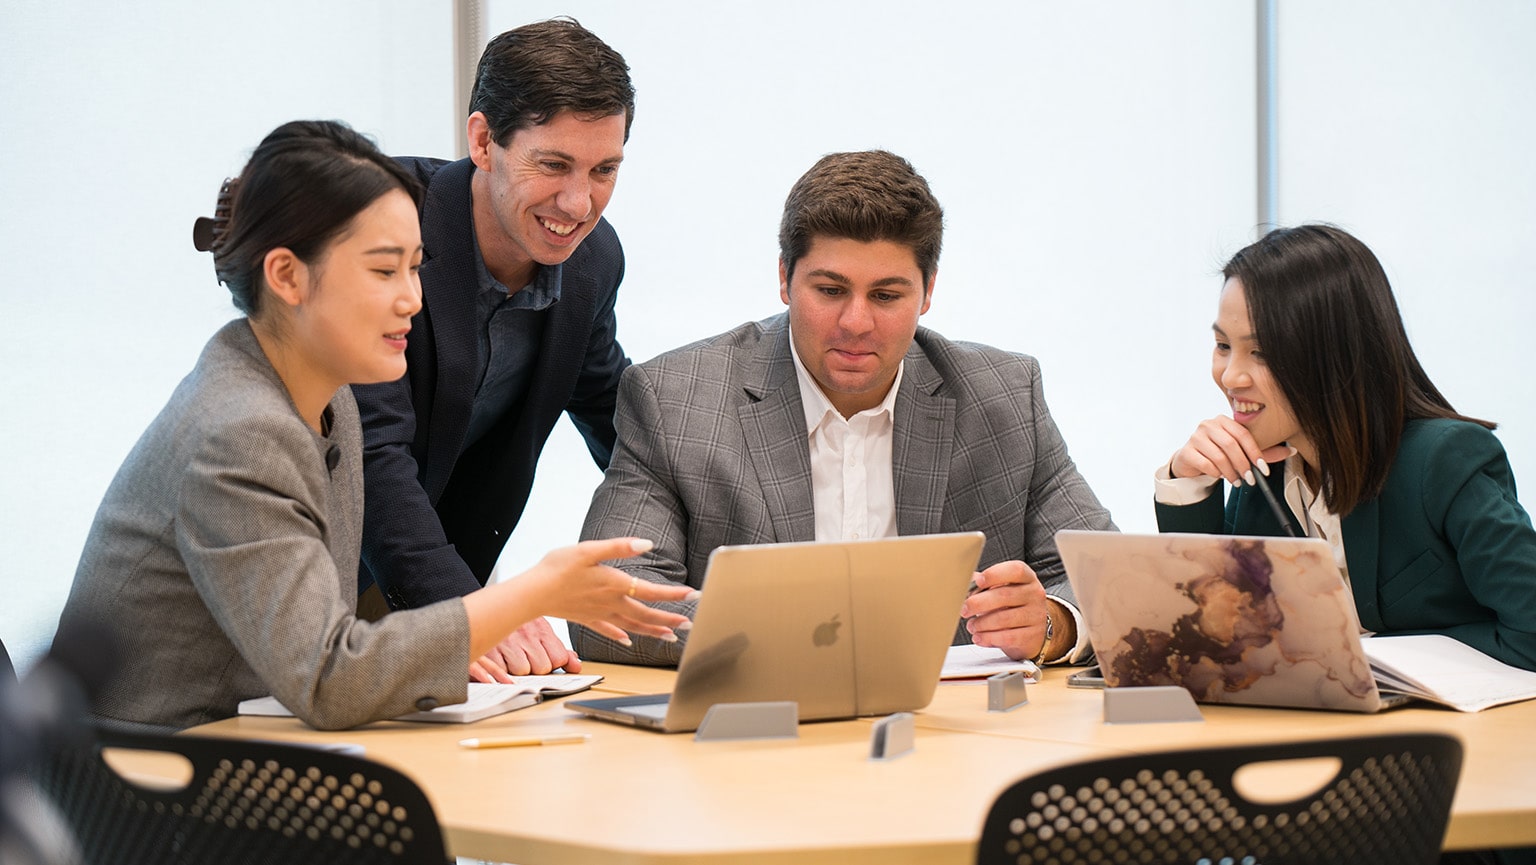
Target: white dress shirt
<point>851,484</point>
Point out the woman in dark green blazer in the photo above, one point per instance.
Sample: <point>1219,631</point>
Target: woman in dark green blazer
<point>1337,416</point>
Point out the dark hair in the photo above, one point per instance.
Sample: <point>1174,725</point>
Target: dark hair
<point>529,74</point>
<point>303,185</point>
<point>1325,318</point>
<point>867,196</point>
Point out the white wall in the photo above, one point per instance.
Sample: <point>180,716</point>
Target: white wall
<point>1412,125</point>
<point>118,122</point>
<point>1095,161</point>
<point>1095,165</point>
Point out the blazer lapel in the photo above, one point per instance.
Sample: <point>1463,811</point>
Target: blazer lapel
<point>448,266</point>
<point>1362,528</point>
<point>773,424</point>
<point>922,447</point>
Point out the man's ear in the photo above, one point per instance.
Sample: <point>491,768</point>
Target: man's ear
<point>478,131</point>
<point>783,282</point>
<point>287,277</point>
<point>928,293</point>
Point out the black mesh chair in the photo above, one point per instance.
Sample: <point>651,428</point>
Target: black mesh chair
<point>1389,802</point>
<point>247,802</point>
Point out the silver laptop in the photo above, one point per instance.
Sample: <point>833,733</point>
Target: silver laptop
<point>842,629</point>
<point>1232,619</point>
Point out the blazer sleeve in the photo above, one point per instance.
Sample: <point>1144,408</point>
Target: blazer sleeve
<point>1203,517</point>
<point>593,398</point>
<point>1059,498</point>
<point>251,528</point>
<point>1469,485</point>
<point>404,545</point>
<point>639,497</point>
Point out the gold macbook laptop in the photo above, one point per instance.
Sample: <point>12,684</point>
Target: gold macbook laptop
<point>841,629</point>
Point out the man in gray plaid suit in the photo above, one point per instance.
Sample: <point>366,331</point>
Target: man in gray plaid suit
<point>843,419</point>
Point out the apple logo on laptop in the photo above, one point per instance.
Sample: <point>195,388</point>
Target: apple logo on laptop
<point>826,632</point>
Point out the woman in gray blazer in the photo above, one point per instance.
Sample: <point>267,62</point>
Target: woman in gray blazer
<point>225,553</point>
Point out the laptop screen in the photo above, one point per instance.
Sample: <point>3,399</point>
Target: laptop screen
<point>841,629</point>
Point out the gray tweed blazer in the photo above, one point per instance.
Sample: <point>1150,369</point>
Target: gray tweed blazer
<point>224,556</point>
<point>713,450</point>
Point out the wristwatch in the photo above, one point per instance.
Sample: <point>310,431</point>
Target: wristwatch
<point>1050,631</point>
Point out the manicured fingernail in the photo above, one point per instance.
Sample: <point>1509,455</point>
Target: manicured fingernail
<point>1263,467</point>
<point>625,642</point>
<point>668,637</point>
<point>641,545</point>
<point>1249,475</point>
<point>685,626</point>
<point>693,595</point>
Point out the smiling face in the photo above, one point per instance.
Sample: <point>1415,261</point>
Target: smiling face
<point>538,198</point>
<point>360,295</point>
<point>1238,368</point>
<point>853,308</point>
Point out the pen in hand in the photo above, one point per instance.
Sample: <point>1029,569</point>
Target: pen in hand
<point>1274,504</point>
<point>971,590</point>
<point>523,741</point>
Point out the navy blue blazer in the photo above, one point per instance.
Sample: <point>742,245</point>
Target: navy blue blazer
<point>437,514</point>
<point>1446,548</point>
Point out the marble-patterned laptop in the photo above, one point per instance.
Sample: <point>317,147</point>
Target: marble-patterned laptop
<point>1232,619</point>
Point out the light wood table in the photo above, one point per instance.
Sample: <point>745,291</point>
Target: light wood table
<point>1495,803</point>
<point>632,796</point>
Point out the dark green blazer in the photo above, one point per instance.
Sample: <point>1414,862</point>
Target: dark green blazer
<point>1445,549</point>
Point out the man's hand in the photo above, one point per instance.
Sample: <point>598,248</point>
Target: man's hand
<point>1007,610</point>
<point>532,649</point>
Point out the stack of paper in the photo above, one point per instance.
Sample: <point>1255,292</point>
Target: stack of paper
<point>979,662</point>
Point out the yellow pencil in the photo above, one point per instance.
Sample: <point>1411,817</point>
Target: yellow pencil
<point>522,741</point>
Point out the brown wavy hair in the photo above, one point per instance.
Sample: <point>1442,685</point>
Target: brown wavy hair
<point>867,196</point>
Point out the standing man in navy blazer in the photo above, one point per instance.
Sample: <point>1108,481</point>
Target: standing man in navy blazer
<point>519,278</point>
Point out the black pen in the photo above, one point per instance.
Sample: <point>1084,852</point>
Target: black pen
<point>1262,482</point>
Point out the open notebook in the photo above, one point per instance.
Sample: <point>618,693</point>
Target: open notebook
<point>1442,670</point>
<point>485,700</point>
<point>1260,621</point>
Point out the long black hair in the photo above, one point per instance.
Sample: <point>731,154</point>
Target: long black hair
<point>1333,339</point>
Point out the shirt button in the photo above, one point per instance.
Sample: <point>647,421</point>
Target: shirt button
<point>426,704</point>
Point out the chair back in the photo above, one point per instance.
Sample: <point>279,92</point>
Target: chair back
<point>1388,802</point>
<point>7,669</point>
<point>247,802</point>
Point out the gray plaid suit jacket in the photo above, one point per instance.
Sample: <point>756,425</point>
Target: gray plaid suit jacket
<point>713,450</point>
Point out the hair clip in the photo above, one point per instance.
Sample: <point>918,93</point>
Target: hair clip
<point>206,230</point>
<point>202,234</point>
